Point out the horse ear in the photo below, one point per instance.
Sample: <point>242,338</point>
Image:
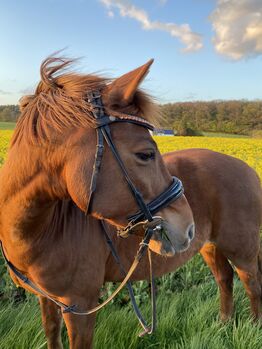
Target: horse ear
<point>122,90</point>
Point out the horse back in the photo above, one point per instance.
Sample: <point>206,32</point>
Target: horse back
<point>221,190</point>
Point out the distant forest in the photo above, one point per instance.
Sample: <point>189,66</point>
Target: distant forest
<point>9,113</point>
<point>239,117</point>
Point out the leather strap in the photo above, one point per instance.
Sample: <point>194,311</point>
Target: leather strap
<point>147,329</point>
<point>73,308</point>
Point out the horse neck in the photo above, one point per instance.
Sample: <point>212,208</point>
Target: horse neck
<point>27,200</point>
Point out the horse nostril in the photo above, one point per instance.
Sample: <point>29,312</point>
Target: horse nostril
<point>191,232</point>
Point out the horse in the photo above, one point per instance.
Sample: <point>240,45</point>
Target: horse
<point>234,191</point>
<point>60,178</point>
<point>226,199</point>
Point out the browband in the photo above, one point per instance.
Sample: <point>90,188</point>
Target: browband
<point>107,120</point>
<point>103,118</point>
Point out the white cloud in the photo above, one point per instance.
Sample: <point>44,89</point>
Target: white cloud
<point>27,90</point>
<point>238,28</point>
<point>191,40</point>
<point>111,14</point>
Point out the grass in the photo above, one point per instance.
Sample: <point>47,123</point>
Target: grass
<point>187,320</point>
<point>20,326</point>
<point>188,306</point>
<point>224,135</point>
<point>7,125</point>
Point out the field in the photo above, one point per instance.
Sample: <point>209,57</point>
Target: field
<point>5,136</point>
<point>188,301</point>
<point>247,149</point>
<point>7,125</point>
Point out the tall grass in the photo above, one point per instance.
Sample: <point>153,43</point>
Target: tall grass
<point>187,320</point>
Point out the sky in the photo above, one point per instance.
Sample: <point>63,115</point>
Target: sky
<point>203,49</point>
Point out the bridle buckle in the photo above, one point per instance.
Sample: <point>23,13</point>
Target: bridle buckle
<point>135,228</point>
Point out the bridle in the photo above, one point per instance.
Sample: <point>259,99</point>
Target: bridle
<point>143,219</point>
<point>147,211</point>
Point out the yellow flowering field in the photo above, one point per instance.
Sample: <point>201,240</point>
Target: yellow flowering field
<point>5,136</point>
<point>247,149</point>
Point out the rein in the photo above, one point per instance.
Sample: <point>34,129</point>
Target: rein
<point>147,329</point>
<point>144,218</point>
<point>143,246</point>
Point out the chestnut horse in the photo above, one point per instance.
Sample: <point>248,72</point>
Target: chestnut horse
<point>45,188</point>
<point>226,200</point>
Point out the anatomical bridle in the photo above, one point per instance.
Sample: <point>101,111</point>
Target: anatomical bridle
<point>143,219</point>
<point>102,122</point>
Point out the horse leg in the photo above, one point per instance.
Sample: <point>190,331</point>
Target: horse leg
<point>223,274</point>
<point>80,328</point>
<point>250,274</point>
<point>52,320</point>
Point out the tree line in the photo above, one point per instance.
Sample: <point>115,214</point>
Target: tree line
<point>239,117</point>
<point>9,113</point>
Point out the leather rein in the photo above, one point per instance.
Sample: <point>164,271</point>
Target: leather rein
<point>144,218</point>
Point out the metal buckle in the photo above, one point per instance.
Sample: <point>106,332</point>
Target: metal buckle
<point>155,224</point>
<point>93,95</point>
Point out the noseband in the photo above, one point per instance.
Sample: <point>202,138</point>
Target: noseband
<point>147,211</point>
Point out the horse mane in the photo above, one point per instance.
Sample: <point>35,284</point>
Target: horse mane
<point>60,102</point>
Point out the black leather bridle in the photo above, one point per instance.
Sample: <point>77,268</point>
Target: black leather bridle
<point>146,213</point>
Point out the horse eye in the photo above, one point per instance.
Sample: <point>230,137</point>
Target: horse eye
<point>146,156</point>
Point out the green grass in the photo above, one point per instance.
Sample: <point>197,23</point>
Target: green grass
<point>7,125</point>
<point>223,135</point>
<point>187,320</point>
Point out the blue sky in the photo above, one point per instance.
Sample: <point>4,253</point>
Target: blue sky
<point>203,49</point>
